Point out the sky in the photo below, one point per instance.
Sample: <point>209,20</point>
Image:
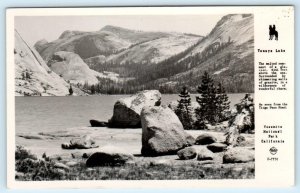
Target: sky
<point>34,28</point>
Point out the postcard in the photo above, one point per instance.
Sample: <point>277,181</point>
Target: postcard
<point>150,97</point>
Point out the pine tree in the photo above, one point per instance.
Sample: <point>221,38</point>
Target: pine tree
<point>183,110</point>
<point>70,90</point>
<point>27,75</point>
<point>93,90</point>
<point>207,101</point>
<point>223,104</point>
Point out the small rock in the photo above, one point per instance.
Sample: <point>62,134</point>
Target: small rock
<point>65,146</point>
<point>163,162</point>
<point>149,175</point>
<point>187,153</point>
<point>61,171</point>
<point>205,139</point>
<point>217,147</point>
<point>238,155</point>
<point>61,166</point>
<point>237,169</point>
<point>90,169</point>
<point>123,172</point>
<point>86,142</point>
<point>76,155</point>
<point>71,164</point>
<point>241,139</point>
<point>130,163</point>
<point>19,175</point>
<point>86,155</point>
<point>95,123</point>
<point>204,154</point>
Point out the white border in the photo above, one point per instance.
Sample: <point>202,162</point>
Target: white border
<point>260,180</point>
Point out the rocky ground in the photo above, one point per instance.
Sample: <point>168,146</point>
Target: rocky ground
<point>128,141</point>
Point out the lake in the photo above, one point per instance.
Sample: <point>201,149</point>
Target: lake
<point>42,114</point>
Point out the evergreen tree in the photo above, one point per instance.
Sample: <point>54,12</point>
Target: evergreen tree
<point>70,90</point>
<point>207,101</point>
<point>183,110</point>
<point>223,104</point>
<point>93,90</point>
<point>27,75</point>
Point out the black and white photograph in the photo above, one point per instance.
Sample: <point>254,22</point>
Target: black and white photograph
<point>134,97</point>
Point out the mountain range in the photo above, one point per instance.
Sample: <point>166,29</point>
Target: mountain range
<point>119,60</point>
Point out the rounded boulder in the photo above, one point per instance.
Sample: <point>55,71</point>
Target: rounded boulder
<point>127,110</point>
<point>238,155</point>
<point>162,132</point>
<point>187,153</point>
<point>205,139</point>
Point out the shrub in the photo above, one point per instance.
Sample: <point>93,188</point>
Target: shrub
<point>33,168</point>
<point>21,153</point>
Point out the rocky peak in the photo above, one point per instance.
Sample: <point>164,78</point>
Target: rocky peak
<point>41,42</point>
<point>112,28</point>
<point>69,33</point>
<point>40,45</point>
<point>32,75</point>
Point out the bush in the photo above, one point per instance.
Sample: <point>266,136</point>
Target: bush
<point>21,153</point>
<point>35,169</point>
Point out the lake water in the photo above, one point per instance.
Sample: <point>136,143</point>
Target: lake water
<point>42,114</point>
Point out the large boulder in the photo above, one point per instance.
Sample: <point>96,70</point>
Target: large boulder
<point>187,153</point>
<point>108,159</point>
<point>205,139</point>
<point>127,110</point>
<point>86,142</point>
<point>162,132</point>
<point>238,155</point>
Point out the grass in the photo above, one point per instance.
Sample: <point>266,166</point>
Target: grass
<point>160,172</point>
<point>145,172</point>
<point>29,168</point>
